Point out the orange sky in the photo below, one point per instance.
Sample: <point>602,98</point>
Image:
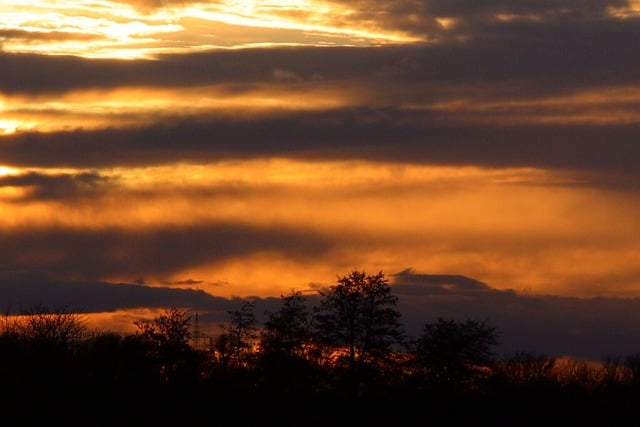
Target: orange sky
<point>247,148</point>
<point>524,229</point>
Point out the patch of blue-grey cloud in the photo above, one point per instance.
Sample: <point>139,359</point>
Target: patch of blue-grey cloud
<point>590,328</point>
<point>56,186</point>
<point>158,251</point>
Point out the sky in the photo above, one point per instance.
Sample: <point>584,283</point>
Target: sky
<point>483,154</point>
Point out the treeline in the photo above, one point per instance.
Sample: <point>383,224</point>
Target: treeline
<point>350,347</point>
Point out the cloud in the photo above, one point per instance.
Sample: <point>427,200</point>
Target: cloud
<point>546,94</point>
<point>581,327</point>
<point>20,290</point>
<point>184,282</point>
<point>407,282</point>
<point>152,5</point>
<point>26,35</point>
<point>157,252</point>
<point>366,134</point>
<point>472,17</point>
<point>41,186</point>
<point>23,290</point>
<point>523,58</point>
<point>563,8</point>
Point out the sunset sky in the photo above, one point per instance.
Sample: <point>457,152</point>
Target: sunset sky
<point>248,148</point>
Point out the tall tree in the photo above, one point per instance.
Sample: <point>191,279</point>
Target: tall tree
<point>358,320</point>
<point>288,330</point>
<point>455,353</point>
<point>168,336</point>
<point>287,358</point>
<point>170,329</point>
<point>239,334</point>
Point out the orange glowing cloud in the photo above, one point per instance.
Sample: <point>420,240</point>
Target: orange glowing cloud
<point>126,31</point>
<point>127,107</point>
<point>514,228</point>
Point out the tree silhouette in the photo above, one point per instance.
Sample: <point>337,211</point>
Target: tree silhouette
<point>350,345</point>
<point>632,365</point>
<point>46,340</point>
<point>169,335</point>
<point>239,334</point>
<point>289,330</point>
<point>455,353</point>
<point>170,329</point>
<point>57,326</point>
<point>358,321</point>
<point>287,358</point>
<point>527,368</point>
<point>110,358</point>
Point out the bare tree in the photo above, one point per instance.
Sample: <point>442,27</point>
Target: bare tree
<point>57,326</point>
<point>528,368</point>
<point>613,369</point>
<point>41,345</point>
<point>632,365</point>
<point>577,374</point>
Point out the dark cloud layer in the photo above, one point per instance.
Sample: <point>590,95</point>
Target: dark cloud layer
<point>420,17</point>
<point>55,186</point>
<point>25,290</point>
<point>575,47</point>
<point>460,8</point>
<point>556,56</point>
<point>369,134</point>
<point>581,327</point>
<point>544,45</point>
<point>156,251</point>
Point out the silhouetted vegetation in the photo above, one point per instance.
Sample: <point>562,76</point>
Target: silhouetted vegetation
<point>349,350</point>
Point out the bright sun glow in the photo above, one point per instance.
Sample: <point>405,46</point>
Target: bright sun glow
<point>114,29</point>
<point>5,170</point>
<point>8,126</point>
